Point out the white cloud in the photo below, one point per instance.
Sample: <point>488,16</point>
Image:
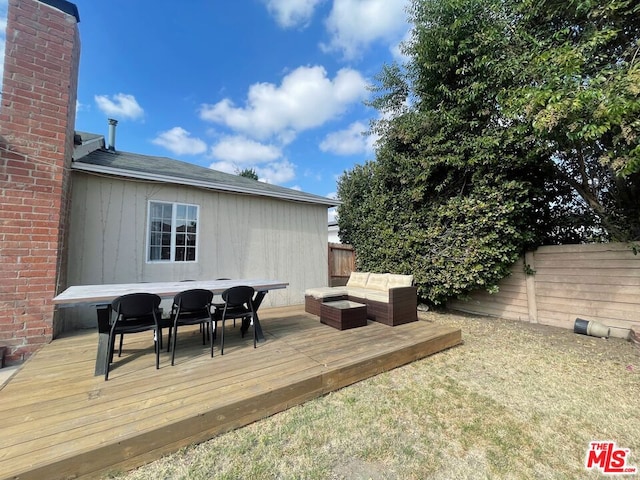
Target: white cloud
<point>180,142</point>
<point>224,166</point>
<point>120,106</point>
<point>332,213</point>
<point>237,153</point>
<point>350,141</point>
<point>354,24</point>
<point>292,13</point>
<point>396,50</point>
<point>273,172</point>
<point>243,150</point>
<point>277,172</point>
<point>305,99</point>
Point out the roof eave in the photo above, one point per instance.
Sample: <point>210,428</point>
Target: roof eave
<point>87,167</point>
<point>85,148</point>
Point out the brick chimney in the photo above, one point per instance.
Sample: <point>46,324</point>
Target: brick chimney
<point>37,118</point>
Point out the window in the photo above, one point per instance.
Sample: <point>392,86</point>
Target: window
<point>173,232</point>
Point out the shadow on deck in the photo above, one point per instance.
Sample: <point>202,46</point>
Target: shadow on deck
<point>60,421</point>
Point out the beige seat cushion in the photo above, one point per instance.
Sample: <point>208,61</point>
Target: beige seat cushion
<point>326,292</point>
<point>396,280</point>
<point>378,281</point>
<point>358,279</point>
<point>377,296</point>
<point>357,292</point>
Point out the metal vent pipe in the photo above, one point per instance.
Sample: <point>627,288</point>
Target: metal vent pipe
<point>112,134</point>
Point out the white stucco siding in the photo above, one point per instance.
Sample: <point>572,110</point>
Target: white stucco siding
<point>240,236</point>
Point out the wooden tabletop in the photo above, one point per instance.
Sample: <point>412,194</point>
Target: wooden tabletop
<point>92,294</point>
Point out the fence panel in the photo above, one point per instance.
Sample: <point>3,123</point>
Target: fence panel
<point>342,261</point>
<point>598,282</point>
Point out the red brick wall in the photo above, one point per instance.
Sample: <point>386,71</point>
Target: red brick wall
<point>37,117</point>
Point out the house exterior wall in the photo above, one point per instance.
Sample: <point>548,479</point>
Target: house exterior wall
<point>37,119</point>
<point>240,236</point>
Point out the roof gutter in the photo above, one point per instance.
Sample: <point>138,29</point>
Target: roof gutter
<point>85,167</point>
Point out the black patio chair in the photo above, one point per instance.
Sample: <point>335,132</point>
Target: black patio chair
<point>192,307</point>
<point>134,313</point>
<point>163,323</point>
<point>218,306</point>
<point>238,303</point>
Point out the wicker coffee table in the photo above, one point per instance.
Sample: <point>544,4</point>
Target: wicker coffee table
<point>343,314</point>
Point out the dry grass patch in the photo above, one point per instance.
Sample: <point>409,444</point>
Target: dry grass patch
<point>515,401</point>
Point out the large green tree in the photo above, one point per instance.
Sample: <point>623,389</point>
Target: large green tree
<point>464,180</point>
<point>579,89</point>
<point>449,196</point>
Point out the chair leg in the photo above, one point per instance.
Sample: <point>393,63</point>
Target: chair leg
<point>173,344</point>
<point>157,347</point>
<point>157,336</point>
<point>120,349</point>
<point>112,347</point>
<point>212,337</point>
<point>109,358</point>
<point>222,339</point>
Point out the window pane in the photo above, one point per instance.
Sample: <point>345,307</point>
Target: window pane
<point>167,210</point>
<point>180,226</point>
<point>155,253</point>
<point>166,236</point>
<point>160,231</point>
<point>181,212</point>
<point>186,232</point>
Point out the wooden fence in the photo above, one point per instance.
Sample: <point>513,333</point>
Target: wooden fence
<point>342,261</point>
<point>598,282</point>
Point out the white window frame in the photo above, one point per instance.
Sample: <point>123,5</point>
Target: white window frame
<point>173,246</point>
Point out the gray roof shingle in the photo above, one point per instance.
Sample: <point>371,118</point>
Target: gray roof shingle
<point>167,170</point>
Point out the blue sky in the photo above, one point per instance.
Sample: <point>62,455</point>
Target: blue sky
<point>274,85</point>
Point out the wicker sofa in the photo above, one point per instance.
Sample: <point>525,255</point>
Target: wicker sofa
<point>390,298</point>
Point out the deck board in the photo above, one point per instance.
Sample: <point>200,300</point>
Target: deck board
<point>60,421</point>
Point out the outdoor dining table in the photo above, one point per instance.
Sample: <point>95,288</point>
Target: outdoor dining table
<point>101,297</point>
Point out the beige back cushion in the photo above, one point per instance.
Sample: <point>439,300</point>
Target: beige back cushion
<point>399,281</point>
<point>358,279</point>
<point>378,281</point>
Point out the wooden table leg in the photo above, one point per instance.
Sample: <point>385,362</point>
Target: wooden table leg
<point>257,301</point>
<point>104,316</point>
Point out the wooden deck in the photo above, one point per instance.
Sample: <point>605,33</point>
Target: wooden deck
<point>60,421</point>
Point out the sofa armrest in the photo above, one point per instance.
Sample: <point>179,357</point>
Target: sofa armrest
<point>403,294</point>
<point>403,302</point>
